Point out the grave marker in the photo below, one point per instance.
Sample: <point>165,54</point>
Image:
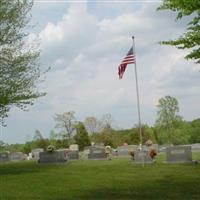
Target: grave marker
<point>17,156</point>
<point>53,157</point>
<point>97,153</point>
<point>142,157</point>
<point>4,157</point>
<point>179,154</point>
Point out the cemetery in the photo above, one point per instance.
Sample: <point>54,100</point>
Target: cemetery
<point>102,179</point>
<point>142,174</point>
<point>79,120</point>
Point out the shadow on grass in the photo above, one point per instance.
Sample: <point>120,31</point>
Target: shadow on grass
<point>159,190</point>
<point>18,168</point>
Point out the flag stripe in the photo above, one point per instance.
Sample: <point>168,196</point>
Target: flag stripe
<point>129,59</point>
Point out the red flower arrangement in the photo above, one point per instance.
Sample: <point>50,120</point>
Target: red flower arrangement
<point>152,153</point>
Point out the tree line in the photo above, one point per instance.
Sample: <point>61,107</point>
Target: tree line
<point>169,128</point>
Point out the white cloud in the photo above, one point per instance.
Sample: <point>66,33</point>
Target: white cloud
<point>84,51</point>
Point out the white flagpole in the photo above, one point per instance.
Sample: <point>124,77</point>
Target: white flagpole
<point>138,99</point>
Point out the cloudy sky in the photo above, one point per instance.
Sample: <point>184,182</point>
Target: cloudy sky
<point>84,42</point>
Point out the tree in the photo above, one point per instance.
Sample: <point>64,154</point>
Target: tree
<point>67,122</point>
<point>40,142</point>
<point>19,65</point>
<point>81,138</point>
<point>26,148</point>
<point>195,131</point>
<point>2,145</point>
<point>106,137</point>
<point>91,124</point>
<point>147,134</point>
<point>167,115</point>
<point>53,137</point>
<point>106,122</point>
<point>191,38</point>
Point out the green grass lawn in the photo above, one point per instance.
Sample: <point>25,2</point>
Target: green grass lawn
<point>118,179</point>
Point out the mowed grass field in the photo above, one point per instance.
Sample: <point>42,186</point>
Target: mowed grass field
<point>118,179</point>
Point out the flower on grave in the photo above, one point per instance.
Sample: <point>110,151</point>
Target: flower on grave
<point>152,153</point>
<point>50,148</point>
<point>131,153</point>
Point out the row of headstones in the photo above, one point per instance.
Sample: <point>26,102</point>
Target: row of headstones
<point>126,149</point>
<point>59,156</point>
<point>40,156</point>
<point>15,156</point>
<point>62,156</point>
<point>174,154</point>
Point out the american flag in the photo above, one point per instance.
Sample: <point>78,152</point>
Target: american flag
<point>129,59</point>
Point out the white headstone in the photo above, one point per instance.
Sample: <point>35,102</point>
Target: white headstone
<point>74,147</point>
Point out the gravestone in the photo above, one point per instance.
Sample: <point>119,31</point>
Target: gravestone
<point>142,157</point>
<point>84,154</point>
<point>17,156</point>
<point>36,152</point>
<point>74,147</point>
<point>126,149</point>
<point>53,157</point>
<point>195,147</point>
<point>4,157</point>
<point>73,154</point>
<point>179,154</point>
<point>97,153</point>
<point>163,148</point>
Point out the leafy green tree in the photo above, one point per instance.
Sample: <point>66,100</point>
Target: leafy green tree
<point>14,147</point>
<point>81,138</point>
<point>40,142</point>
<point>147,134</point>
<point>26,148</point>
<point>167,116</point>
<point>19,65</point>
<point>106,137</point>
<point>194,131</point>
<point>191,38</point>
<point>53,138</point>
<point>2,145</point>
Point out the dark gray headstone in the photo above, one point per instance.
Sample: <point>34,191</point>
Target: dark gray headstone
<point>73,155</point>
<point>142,157</point>
<point>97,153</point>
<point>17,156</point>
<point>53,157</point>
<point>4,157</point>
<point>179,154</point>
